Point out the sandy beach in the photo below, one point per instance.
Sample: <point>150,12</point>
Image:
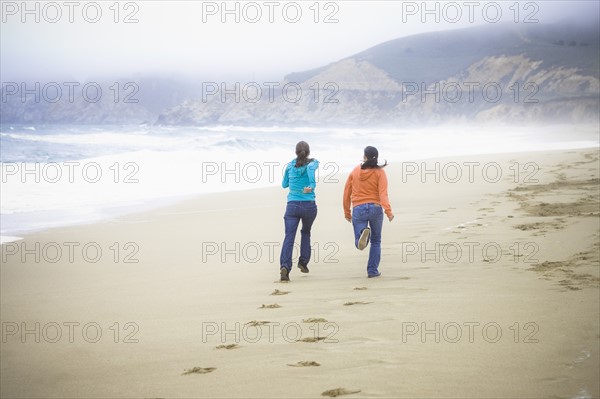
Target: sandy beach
<point>489,289</point>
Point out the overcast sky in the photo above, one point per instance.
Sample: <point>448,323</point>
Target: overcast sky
<point>190,37</point>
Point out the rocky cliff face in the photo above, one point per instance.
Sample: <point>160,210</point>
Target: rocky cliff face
<point>493,89</point>
<point>78,111</point>
<point>125,101</point>
<point>507,88</point>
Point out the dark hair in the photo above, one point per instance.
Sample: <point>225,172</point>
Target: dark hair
<point>372,156</point>
<point>302,153</point>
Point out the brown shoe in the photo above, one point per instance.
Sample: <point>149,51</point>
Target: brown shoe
<point>285,274</point>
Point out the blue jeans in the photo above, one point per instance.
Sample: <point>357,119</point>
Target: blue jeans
<point>296,211</point>
<point>370,215</point>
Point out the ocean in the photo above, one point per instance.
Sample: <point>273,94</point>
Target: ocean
<point>55,175</point>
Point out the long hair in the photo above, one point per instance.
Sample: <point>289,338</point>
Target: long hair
<point>302,153</point>
<point>372,156</point>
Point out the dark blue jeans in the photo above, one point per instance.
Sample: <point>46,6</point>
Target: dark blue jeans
<point>370,215</point>
<point>296,211</point>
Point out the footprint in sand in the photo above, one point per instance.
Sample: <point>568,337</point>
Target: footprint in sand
<point>314,320</point>
<point>356,303</point>
<point>311,339</point>
<point>255,323</point>
<point>360,288</point>
<point>271,306</point>
<point>230,346</point>
<point>339,392</point>
<point>199,370</point>
<point>279,292</point>
<point>305,364</point>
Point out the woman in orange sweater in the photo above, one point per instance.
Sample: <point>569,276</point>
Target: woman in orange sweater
<point>366,191</point>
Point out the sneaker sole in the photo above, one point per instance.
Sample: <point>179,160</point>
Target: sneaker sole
<point>363,241</point>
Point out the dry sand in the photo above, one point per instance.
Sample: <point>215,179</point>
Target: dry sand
<point>202,314</point>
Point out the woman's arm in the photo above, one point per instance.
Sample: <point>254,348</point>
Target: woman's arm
<point>347,198</point>
<point>383,194</point>
<point>312,181</point>
<point>286,180</point>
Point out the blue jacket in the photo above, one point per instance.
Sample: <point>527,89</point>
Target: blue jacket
<point>298,178</point>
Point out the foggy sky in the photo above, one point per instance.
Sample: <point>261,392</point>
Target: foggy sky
<point>171,38</point>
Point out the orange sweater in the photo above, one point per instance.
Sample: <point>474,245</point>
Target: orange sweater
<point>364,186</point>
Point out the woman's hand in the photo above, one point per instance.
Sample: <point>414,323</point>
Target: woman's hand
<point>307,190</point>
<point>391,217</point>
<point>349,219</point>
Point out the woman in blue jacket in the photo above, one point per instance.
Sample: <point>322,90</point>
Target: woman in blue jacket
<point>299,176</point>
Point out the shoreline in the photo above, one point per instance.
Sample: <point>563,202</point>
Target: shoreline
<point>156,204</point>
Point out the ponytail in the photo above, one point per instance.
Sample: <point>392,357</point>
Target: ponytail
<point>302,153</point>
